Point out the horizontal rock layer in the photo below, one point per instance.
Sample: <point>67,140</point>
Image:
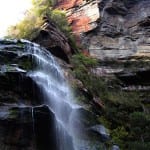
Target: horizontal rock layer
<point>123,30</point>
<point>117,28</point>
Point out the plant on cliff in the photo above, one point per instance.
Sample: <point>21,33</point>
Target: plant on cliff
<point>119,135</point>
<point>82,68</point>
<point>28,28</point>
<point>122,113</point>
<point>30,25</point>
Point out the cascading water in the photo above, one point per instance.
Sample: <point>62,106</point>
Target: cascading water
<point>56,93</point>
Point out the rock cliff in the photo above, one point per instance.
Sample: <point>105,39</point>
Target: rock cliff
<point>110,28</point>
<point>116,91</point>
<point>54,40</point>
<point>25,123</point>
<point>117,33</point>
<point>82,15</point>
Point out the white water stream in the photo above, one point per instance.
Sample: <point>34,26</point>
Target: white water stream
<point>56,93</point>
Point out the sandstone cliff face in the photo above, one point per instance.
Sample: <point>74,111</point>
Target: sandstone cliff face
<point>121,31</point>
<point>82,14</point>
<point>118,34</point>
<point>110,28</point>
<point>116,31</point>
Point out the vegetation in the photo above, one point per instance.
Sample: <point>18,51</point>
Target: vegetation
<point>123,112</point>
<point>82,68</point>
<point>30,25</point>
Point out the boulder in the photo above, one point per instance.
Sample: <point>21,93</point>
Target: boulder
<point>102,131</point>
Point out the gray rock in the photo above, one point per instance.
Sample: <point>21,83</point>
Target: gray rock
<point>115,147</point>
<point>102,131</point>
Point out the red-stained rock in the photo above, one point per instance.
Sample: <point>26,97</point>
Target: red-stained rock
<point>82,15</point>
<point>80,24</point>
<point>67,4</point>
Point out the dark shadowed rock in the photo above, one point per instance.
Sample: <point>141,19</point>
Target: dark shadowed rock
<point>44,128</point>
<point>27,128</point>
<point>54,40</point>
<point>116,8</point>
<point>49,134</point>
<point>16,126</point>
<point>140,77</point>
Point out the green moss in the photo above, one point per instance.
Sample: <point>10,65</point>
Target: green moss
<point>104,121</point>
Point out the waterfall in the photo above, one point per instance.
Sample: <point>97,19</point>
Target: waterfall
<point>55,92</point>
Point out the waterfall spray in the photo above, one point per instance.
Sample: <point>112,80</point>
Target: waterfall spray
<point>56,92</point>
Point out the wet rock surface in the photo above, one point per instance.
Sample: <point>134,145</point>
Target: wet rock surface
<point>44,128</point>
<point>16,127</point>
<point>26,127</point>
<point>25,124</point>
<point>115,147</point>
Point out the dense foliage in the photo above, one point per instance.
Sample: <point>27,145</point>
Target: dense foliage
<point>30,25</point>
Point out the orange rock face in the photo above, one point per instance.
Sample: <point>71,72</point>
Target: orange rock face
<point>67,4</point>
<point>80,24</point>
<point>82,15</point>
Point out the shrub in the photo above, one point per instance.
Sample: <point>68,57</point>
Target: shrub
<point>29,27</point>
<point>82,70</point>
<point>119,136</point>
